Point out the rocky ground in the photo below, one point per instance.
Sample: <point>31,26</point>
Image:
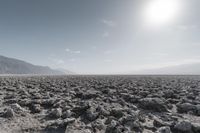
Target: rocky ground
<point>100,104</point>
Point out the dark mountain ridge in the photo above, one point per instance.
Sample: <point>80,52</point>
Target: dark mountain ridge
<point>15,66</point>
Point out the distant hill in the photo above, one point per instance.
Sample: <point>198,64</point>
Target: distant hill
<point>66,71</point>
<point>15,66</point>
<point>184,69</point>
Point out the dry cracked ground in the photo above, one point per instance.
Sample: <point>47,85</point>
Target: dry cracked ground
<point>100,104</point>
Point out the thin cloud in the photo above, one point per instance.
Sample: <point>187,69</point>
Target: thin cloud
<point>67,50</point>
<point>106,34</point>
<point>60,61</point>
<point>108,22</point>
<point>93,47</point>
<point>72,51</point>
<point>108,52</point>
<point>57,61</point>
<point>76,52</point>
<point>72,60</point>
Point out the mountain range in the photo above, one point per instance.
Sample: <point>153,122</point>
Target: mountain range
<point>15,66</point>
<point>183,69</point>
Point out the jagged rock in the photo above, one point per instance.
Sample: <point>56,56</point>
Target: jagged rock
<point>111,128</point>
<point>117,112</point>
<point>98,124</point>
<point>90,115</point>
<point>18,109</point>
<point>196,127</point>
<point>99,104</point>
<point>55,126</point>
<point>10,101</point>
<point>8,113</point>
<point>173,101</point>
<point>67,114</point>
<point>77,131</point>
<point>90,95</point>
<point>56,113</point>
<point>160,123</point>
<point>22,102</point>
<point>136,126</point>
<point>106,90</point>
<point>141,117</point>
<point>197,110</point>
<point>130,98</point>
<point>128,120</point>
<point>36,108</point>
<point>165,129</point>
<point>47,103</point>
<point>143,93</point>
<point>102,111</point>
<point>183,127</point>
<point>59,125</point>
<point>109,120</point>
<point>185,107</point>
<point>82,108</point>
<point>58,104</point>
<point>155,104</point>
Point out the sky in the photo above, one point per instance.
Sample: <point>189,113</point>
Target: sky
<point>101,36</point>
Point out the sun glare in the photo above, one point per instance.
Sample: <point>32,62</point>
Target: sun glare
<point>160,12</point>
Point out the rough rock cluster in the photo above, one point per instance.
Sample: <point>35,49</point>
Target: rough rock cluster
<point>100,104</point>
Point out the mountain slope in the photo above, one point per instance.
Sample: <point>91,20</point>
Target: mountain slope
<point>66,71</point>
<point>184,69</point>
<point>15,66</point>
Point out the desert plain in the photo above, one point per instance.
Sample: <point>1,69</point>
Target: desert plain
<point>100,104</point>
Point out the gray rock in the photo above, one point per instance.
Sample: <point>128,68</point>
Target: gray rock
<point>8,113</point>
<point>69,120</point>
<point>185,107</point>
<point>77,131</point>
<point>102,111</point>
<point>109,119</point>
<point>128,120</point>
<point>36,108</point>
<point>117,112</point>
<point>59,125</point>
<point>196,127</point>
<point>169,94</point>
<point>98,124</point>
<point>160,123</point>
<point>112,127</point>
<point>90,95</point>
<point>183,127</point>
<point>155,104</point>
<point>67,114</point>
<point>81,109</point>
<point>55,126</point>
<point>197,110</point>
<point>56,113</point>
<point>91,115</point>
<point>17,108</point>
<point>136,126</point>
<point>165,129</point>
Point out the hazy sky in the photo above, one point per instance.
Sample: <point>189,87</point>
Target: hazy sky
<point>100,36</point>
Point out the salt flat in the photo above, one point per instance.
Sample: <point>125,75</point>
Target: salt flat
<point>98,104</point>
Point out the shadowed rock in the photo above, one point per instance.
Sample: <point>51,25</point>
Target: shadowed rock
<point>155,104</point>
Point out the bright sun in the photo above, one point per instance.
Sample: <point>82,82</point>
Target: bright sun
<point>161,11</point>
